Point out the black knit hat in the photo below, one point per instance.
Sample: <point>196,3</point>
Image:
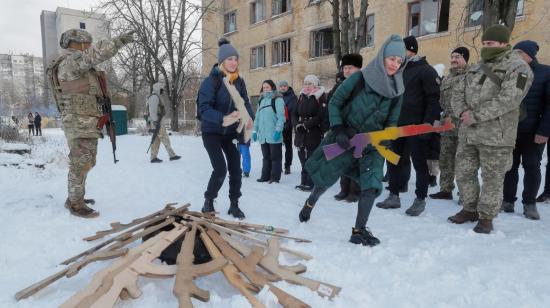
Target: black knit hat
<point>497,33</point>
<point>352,59</point>
<point>411,44</point>
<point>463,51</point>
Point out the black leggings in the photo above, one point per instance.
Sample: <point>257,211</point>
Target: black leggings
<point>221,148</point>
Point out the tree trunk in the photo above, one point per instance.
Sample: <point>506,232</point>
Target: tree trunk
<point>499,12</point>
<point>336,32</point>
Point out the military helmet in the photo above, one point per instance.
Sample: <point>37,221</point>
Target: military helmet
<point>74,35</point>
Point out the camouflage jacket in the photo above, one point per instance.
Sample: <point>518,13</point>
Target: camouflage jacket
<point>495,108</point>
<point>446,93</point>
<point>76,97</point>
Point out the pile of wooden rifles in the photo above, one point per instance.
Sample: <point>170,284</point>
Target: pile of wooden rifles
<point>248,262</point>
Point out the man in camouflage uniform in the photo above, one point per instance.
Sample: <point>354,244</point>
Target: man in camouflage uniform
<point>488,105</point>
<point>74,79</point>
<point>156,108</point>
<point>449,139</point>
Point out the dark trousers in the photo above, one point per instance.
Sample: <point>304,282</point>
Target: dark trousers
<point>31,129</point>
<point>410,148</point>
<point>304,152</point>
<point>529,154</point>
<point>272,163</point>
<point>220,149</point>
<point>38,130</point>
<point>547,176</point>
<point>349,186</point>
<point>287,140</point>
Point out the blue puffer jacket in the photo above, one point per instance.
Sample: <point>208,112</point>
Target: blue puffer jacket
<point>214,106</point>
<point>537,103</point>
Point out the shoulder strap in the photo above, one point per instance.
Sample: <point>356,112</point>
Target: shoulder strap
<point>359,86</point>
<point>273,104</point>
<point>490,74</point>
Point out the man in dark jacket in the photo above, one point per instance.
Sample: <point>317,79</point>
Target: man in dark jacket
<point>420,105</point>
<point>350,63</point>
<point>533,132</point>
<point>290,102</point>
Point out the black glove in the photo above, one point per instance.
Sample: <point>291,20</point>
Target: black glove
<point>343,135</point>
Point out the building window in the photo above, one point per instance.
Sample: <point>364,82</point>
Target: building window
<point>257,11</point>
<point>369,32</point>
<point>428,16</point>
<point>321,43</point>
<point>257,57</point>
<point>280,7</point>
<point>230,22</point>
<point>475,12</point>
<point>83,25</point>
<point>281,52</point>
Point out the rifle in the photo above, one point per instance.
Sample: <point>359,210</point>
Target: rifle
<point>155,133</point>
<point>107,117</point>
<point>361,140</point>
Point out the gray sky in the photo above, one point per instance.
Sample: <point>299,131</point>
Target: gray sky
<point>20,22</point>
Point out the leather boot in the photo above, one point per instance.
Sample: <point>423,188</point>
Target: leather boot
<point>208,206</point>
<point>463,217</point>
<point>484,226</point>
<point>80,209</point>
<point>443,195</point>
<point>235,211</point>
<point>305,213</point>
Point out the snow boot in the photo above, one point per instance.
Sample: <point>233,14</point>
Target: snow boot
<point>484,226</point>
<point>287,170</point>
<point>156,160</point>
<point>433,181</point>
<point>351,198</point>
<point>235,211</point>
<point>208,206</point>
<point>443,195</point>
<point>260,180</point>
<point>545,196</point>
<point>463,216</point>
<point>80,209</point>
<point>363,236</point>
<point>418,206</point>
<point>305,213</point>
<point>530,211</point>
<point>392,202</point>
<point>175,157</point>
<point>340,196</point>
<point>507,207</point>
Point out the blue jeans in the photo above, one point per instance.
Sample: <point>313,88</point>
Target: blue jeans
<point>245,154</point>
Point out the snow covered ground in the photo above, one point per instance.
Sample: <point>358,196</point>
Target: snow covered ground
<point>422,261</point>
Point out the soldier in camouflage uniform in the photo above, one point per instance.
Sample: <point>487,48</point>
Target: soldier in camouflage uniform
<point>74,79</point>
<point>156,108</point>
<point>449,139</point>
<point>488,105</point>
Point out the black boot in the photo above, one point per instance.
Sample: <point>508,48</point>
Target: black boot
<point>235,211</point>
<point>305,213</point>
<point>363,236</point>
<point>341,196</point>
<point>208,206</point>
<point>433,181</point>
<point>545,196</point>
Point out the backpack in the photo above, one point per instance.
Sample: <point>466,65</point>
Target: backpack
<point>217,85</point>
<point>287,116</point>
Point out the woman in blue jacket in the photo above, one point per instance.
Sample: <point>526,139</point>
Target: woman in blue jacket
<point>268,128</point>
<point>219,121</point>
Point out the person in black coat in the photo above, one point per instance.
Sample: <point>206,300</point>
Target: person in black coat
<point>290,102</point>
<point>38,124</point>
<point>307,119</point>
<point>420,105</point>
<point>219,122</point>
<point>533,133</point>
<point>350,63</point>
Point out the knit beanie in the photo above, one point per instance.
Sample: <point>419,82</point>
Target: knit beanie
<point>226,50</point>
<point>282,83</point>
<point>497,33</point>
<point>463,51</point>
<point>312,79</point>
<point>411,44</point>
<point>396,47</point>
<point>529,47</point>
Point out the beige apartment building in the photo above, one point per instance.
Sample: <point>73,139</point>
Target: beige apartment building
<point>288,39</point>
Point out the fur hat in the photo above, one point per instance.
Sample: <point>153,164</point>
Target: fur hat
<point>352,59</point>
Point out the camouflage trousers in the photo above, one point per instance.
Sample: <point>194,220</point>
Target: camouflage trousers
<point>82,158</point>
<point>447,157</point>
<point>162,137</point>
<point>494,162</point>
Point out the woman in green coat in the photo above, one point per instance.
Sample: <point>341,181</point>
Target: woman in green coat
<point>374,108</point>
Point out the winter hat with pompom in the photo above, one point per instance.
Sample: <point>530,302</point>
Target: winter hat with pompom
<point>226,50</point>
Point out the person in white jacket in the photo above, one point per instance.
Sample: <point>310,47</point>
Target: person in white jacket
<point>156,108</point>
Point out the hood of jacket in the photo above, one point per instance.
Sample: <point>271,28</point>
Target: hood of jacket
<point>318,93</point>
<point>157,87</point>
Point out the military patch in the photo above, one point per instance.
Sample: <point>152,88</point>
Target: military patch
<point>522,81</point>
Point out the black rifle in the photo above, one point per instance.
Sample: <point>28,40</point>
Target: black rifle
<point>107,118</point>
<point>156,131</point>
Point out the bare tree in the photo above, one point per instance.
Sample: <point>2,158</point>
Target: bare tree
<point>499,12</point>
<point>349,32</point>
<point>167,34</point>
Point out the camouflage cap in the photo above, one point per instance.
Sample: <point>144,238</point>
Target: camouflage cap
<point>74,35</point>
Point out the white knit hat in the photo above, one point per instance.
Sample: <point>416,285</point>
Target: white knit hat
<point>312,79</point>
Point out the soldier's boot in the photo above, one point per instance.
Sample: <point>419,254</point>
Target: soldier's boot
<point>80,209</point>
<point>507,207</point>
<point>545,196</point>
<point>175,157</point>
<point>208,206</point>
<point>392,202</point>
<point>484,226</point>
<point>235,211</point>
<point>89,201</point>
<point>156,160</point>
<point>305,213</point>
<point>363,236</point>
<point>442,195</point>
<point>418,206</point>
<point>530,211</point>
<point>463,216</point>
<point>352,197</point>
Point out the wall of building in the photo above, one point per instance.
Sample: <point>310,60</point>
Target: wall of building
<point>391,16</point>
<point>21,83</point>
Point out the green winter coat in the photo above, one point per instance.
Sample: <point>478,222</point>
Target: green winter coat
<point>367,112</point>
